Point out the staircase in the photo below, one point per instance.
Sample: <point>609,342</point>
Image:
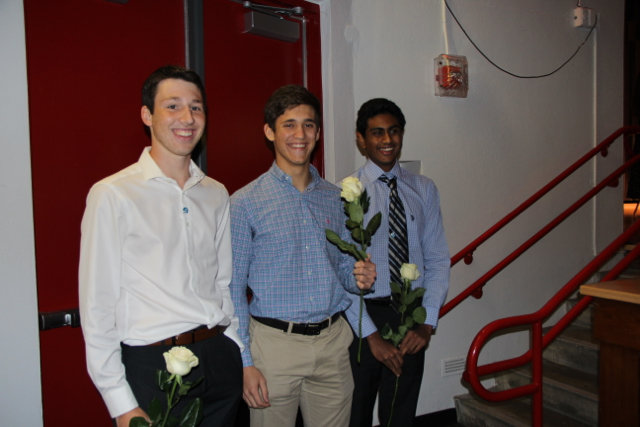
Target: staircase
<point>570,389</point>
<point>570,383</point>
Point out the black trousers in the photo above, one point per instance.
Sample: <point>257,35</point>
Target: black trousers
<point>372,377</point>
<point>219,363</point>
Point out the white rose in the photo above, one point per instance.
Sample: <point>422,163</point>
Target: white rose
<point>180,360</point>
<point>409,272</point>
<point>352,188</point>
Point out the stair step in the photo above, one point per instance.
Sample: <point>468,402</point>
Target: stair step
<point>565,390</point>
<point>585,318</point>
<point>576,349</point>
<point>632,272</point>
<point>474,412</point>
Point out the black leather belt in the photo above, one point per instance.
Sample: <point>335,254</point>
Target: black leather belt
<point>298,328</point>
<point>195,335</point>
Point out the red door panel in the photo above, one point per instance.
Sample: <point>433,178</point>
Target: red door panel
<point>87,60</point>
<point>241,71</point>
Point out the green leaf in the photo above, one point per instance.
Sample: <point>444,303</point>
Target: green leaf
<point>395,288</point>
<point>355,212</point>
<point>352,224</point>
<point>163,379</point>
<point>362,255</point>
<point>155,410</point>
<point>184,389</point>
<point>396,339</point>
<point>333,237</point>
<point>407,299</point>
<point>356,233</point>
<point>402,330</point>
<point>418,292</point>
<point>172,421</point>
<point>138,422</point>
<point>374,223</point>
<point>192,414</point>
<point>364,201</point>
<point>386,332</point>
<point>408,322</point>
<point>420,315</point>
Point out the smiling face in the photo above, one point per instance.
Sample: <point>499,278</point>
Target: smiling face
<point>178,120</point>
<point>294,138</point>
<point>382,140</point>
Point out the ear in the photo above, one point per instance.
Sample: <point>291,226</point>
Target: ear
<point>360,140</point>
<point>268,132</point>
<point>318,135</point>
<point>146,115</point>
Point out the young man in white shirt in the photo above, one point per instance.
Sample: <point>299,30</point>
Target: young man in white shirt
<point>155,265</point>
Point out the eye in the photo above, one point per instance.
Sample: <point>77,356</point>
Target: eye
<point>172,107</point>
<point>196,108</point>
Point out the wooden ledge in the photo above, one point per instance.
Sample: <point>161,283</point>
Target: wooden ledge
<point>618,290</point>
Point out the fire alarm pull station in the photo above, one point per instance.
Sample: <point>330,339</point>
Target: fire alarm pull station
<point>452,75</point>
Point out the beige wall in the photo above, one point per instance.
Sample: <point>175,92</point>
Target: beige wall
<point>489,152</point>
<point>20,401</point>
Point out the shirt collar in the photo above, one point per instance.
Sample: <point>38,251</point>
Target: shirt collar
<point>371,171</point>
<point>151,170</point>
<point>279,175</point>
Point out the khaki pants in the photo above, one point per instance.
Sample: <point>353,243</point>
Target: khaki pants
<point>313,372</point>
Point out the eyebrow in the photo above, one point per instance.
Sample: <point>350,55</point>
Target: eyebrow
<point>177,98</point>
<point>382,128</point>
<point>294,120</point>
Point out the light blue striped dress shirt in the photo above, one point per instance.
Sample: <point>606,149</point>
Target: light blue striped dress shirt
<point>427,244</point>
<point>280,251</point>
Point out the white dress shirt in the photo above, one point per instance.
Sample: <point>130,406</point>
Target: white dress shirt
<point>155,261</point>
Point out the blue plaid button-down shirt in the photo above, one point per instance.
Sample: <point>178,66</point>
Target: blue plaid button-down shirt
<point>427,244</point>
<point>281,252</point>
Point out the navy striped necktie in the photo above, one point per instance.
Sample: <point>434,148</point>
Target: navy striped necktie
<point>398,241</point>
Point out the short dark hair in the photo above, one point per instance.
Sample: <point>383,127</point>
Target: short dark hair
<point>376,106</point>
<point>150,87</point>
<point>290,96</point>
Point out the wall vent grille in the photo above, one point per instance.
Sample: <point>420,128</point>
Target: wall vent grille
<point>453,366</point>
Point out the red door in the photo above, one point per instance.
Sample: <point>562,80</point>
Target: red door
<point>241,71</point>
<point>86,63</point>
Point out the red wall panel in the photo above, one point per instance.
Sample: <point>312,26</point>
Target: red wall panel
<point>87,60</point>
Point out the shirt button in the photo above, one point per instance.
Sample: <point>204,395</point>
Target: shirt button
<point>309,273</point>
<point>306,247</point>
<point>185,210</point>
<point>392,235</point>
<point>310,298</point>
<point>304,222</point>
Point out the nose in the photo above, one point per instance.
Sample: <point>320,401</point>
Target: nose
<point>386,137</point>
<point>187,116</point>
<point>299,132</point>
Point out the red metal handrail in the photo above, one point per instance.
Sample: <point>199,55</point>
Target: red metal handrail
<point>539,341</point>
<point>475,288</point>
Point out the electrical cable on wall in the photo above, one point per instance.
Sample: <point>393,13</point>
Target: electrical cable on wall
<point>516,75</point>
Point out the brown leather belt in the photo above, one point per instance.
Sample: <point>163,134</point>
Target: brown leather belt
<point>198,334</point>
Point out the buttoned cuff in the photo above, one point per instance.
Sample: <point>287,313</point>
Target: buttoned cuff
<point>433,314</point>
<point>120,400</point>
